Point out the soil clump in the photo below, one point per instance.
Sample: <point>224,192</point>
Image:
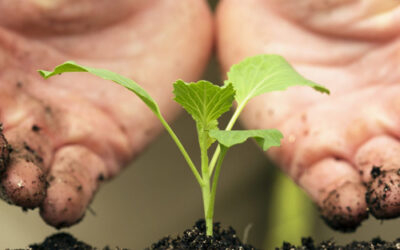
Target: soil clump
<point>196,238</point>
<point>374,244</point>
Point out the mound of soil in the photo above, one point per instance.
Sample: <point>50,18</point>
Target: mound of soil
<point>374,244</point>
<point>196,238</point>
<point>61,241</point>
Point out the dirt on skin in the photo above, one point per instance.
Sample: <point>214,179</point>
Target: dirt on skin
<point>5,150</point>
<point>374,244</point>
<point>382,193</point>
<point>382,198</point>
<point>196,238</point>
<point>345,219</point>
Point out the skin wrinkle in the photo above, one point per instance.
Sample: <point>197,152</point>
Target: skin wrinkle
<point>342,21</point>
<point>347,49</point>
<point>67,17</point>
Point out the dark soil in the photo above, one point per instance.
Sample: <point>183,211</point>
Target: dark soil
<point>374,244</point>
<point>65,241</point>
<point>61,241</point>
<point>375,172</point>
<point>196,238</point>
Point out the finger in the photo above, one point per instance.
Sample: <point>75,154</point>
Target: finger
<point>23,184</point>
<point>23,181</point>
<point>312,138</point>
<point>378,160</point>
<point>337,189</point>
<point>73,180</point>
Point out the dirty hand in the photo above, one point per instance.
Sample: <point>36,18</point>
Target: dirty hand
<point>343,149</point>
<point>62,137</point>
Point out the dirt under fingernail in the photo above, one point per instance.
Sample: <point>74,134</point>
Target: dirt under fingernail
<point>383,195</point>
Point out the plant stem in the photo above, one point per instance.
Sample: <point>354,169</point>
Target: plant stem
<point>235,116</point>
<point>182,149</point>
<point>214,159</point>
<point>210,211</point>
<point>205,189</point>
<point>206,201</point>
<point>232,122</point>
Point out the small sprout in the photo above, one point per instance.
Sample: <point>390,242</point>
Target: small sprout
<point>206,102</point>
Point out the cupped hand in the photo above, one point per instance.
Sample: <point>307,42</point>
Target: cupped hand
<point>62,137</point>
<point>343,149</point>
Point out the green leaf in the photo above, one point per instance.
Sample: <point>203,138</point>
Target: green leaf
<point>205,102</point>
<point>108,75</point>
<point>135,88</point>
<point>266,138</point>
<point>265,73</point>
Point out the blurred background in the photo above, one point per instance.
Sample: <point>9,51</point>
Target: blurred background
<point>158,196</point>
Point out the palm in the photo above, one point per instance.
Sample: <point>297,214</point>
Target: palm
<point>331,142</point>
<point>74,131</point>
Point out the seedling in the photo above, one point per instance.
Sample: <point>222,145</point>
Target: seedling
<point>206,102</point>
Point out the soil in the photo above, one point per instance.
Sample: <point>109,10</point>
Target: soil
<point>383,192</point>
<point>61,241</point>
<point>374,244</point>
<point>196,238</point>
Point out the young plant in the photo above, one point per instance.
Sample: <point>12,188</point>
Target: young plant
<point>206,102</point>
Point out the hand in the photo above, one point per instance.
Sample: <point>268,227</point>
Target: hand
<point>64,136</point>
<point>343,149</point>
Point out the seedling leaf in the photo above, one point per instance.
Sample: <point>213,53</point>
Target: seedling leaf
<point>265,73</point>
<point>71,66</point>
<point>266,138</point>
<point>204,101</point>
